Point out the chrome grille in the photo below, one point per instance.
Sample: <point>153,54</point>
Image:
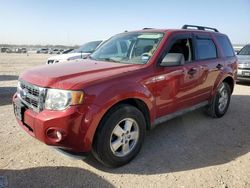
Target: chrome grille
<point>32,90</point>
<point>32,96</point>
<point>244,68</point>
<point>244,65</point>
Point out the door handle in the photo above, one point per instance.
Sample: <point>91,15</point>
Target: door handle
<point>219,66</point>
<point>192,71</point>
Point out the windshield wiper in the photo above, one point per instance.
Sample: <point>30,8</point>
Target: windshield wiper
<point>111,60</point>
<point>90,57</point>
<point>103,59</point>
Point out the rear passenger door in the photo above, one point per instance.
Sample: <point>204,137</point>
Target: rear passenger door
<point>210,66</point>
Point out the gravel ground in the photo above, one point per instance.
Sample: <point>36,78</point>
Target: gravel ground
<point>190,151</point>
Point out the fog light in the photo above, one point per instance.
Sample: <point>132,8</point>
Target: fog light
<point>59,135</point>
<point>55,135</point>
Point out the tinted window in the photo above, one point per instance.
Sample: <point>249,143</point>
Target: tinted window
<point>206,49</point>
<point>226,46</point>
<point>183,46</point>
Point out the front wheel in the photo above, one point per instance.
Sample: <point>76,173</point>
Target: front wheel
<point>119,136</point>
<point>220,102</point>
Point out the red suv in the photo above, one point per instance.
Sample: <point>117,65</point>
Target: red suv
<point>105,103</point>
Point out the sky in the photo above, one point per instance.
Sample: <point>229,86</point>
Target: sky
<point>74,22</point>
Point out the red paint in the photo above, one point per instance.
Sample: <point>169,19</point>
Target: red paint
<point>162,89</point>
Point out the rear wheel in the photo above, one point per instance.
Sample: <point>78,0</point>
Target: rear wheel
<point>220,102</point>
<point>119,136</point>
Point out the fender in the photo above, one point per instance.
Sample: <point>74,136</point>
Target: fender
<point>106,99</point>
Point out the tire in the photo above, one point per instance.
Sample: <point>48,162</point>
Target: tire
<point>113,146</point>
<point>220,102</point>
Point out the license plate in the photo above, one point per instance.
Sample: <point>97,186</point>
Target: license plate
<point>246,73</point>
<point>19,110</point>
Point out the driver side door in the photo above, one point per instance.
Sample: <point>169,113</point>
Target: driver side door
<point>176,87</point>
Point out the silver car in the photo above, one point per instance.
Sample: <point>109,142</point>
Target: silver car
<point>244,64</point>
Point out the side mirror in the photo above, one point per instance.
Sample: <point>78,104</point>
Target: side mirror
<point>173,59</point>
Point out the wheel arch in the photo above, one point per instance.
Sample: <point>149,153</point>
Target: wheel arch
<point>136,102</point>
<point>230,81</point>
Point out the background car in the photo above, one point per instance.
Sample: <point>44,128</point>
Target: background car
<point>237,48</point>
<point>20,50</point>
<point>42,51</point>
<point>243,73</point>
<point>5,50</point>
<point>78,53</point>
<point>55,51</point>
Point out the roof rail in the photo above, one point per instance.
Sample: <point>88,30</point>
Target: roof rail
<point>145,28</point>
<point>199,27</point>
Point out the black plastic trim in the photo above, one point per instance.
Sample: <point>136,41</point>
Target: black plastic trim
<point>203,28</point>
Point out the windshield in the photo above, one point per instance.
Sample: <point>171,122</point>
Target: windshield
<point>87,48</point>
<point>245,50</point>
<point>134,48</point>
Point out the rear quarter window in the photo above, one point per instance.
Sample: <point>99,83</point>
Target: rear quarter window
<point>206,49</point>
<point>226,46</point>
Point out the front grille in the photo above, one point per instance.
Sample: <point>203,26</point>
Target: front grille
<point>243,68</point>
<point>32,96</point>
<point>32,90</point>
<point>33,102</point>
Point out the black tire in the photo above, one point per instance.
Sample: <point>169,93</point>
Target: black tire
<point>213,108</point>
<point>102,141</point>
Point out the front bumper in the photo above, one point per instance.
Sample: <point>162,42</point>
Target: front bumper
<point>243,74</point>
<point>72,154</point>
<point>68,121</point>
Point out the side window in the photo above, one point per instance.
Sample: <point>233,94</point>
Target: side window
<point>225,46</point>
<point>183,46</point>
<point>206,49</point>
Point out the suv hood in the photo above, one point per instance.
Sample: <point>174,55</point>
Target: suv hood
<point>69,56</point>
<point>243,58</point>
<point>75,75</point>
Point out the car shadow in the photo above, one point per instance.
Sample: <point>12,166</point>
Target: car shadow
<point>51,177</point>
<point>6,94</point>
<point>192,141</point>
<point>8,77</point>
<point>243,83</point>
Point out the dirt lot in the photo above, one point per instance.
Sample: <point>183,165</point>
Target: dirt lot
<point>190,151</point>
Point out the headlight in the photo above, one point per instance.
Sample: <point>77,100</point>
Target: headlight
<point>18,84</point>
<point>60,99</point>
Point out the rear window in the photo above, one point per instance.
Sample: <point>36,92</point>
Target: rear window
<point>206,49</point>
<point>225,46</point>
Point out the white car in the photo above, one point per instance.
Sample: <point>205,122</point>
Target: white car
<point>78,53</point>
<point>243,73</point>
